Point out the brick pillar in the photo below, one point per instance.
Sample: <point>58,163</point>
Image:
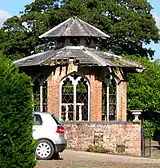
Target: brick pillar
<point>121,96</point>
<point>54,90</point>
<point>95,99</point>
<point>123,100</point>
<point>53,95</point>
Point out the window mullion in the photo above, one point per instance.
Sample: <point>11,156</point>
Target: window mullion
<point>74,100</point>
<point>41,96</point>
<point>108,99</point>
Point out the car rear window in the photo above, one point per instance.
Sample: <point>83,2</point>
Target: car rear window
<point>37,119</point>
<point>56,120</point>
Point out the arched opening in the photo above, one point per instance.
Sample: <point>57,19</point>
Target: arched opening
<point>74,93</point>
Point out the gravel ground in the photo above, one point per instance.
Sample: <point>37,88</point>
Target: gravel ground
<point>79,159</point>
<point>155,153</point>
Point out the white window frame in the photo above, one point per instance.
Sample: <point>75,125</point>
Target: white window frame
<point>107,82</point>
<point>74,82</point>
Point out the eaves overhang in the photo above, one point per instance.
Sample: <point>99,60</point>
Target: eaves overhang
<point>82,56</point>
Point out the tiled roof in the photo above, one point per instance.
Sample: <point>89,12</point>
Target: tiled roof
<point>74,27</point>
<point>81,56</point>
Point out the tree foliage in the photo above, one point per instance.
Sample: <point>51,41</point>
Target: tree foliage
<point>143,88</point>
<point>16,142</point>
<point>129,23</point>
<point>144,94</point>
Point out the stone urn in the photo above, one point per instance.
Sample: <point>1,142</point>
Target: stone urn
<point>136,114</point>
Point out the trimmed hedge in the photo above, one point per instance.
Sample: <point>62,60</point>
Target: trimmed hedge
<point>16,143</point>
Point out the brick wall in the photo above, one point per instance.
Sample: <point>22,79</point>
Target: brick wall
<point>122,101</point>
<point>94,76</point>
<point>95,99</point>
<point>54,90</point>
<point>54,94</point>
<point>117,137</point>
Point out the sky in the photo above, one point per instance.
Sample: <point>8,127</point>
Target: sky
<point>9,8</point>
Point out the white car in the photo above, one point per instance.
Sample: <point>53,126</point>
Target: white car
<point>49,133</point>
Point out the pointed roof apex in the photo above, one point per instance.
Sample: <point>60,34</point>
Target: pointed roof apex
<point>74,27</point>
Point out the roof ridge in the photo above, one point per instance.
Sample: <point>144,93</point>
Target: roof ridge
<point>96,57</point>
<point>80,21</point>
<point>86,28</point>
<point>44,34</point>
<point>93,27</point>
<point>47,57</point>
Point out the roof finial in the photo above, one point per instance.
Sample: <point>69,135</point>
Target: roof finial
<point>75,17</point>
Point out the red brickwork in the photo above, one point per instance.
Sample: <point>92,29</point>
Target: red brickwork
<point>95,95</point>
<point>123,101</point>
<point>118,138</point>
<point>96,99</point>
<point>54,91</point>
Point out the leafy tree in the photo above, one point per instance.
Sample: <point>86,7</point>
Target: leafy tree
<point>16,142</point>
<point>15,42</point>
<point>129,23</point>
<point>144,94</point>
<point>20,34</point>
<point>143,88</point>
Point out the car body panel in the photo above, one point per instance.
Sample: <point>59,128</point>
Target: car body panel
<point>45,128</point>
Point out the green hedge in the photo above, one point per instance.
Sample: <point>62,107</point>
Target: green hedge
<point>16,142</point>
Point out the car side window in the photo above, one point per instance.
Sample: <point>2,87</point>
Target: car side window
<point>37,119</point>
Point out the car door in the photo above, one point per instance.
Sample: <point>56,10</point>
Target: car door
<point>37,126</point>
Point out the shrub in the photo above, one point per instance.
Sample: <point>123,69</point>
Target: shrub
<point>149,128</point>
<point>16,142</point>
<point>98,149</point>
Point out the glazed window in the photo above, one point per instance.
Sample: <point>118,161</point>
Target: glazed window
<point>37,120</point>
<point>109,99</point>
<point>74,98</point>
